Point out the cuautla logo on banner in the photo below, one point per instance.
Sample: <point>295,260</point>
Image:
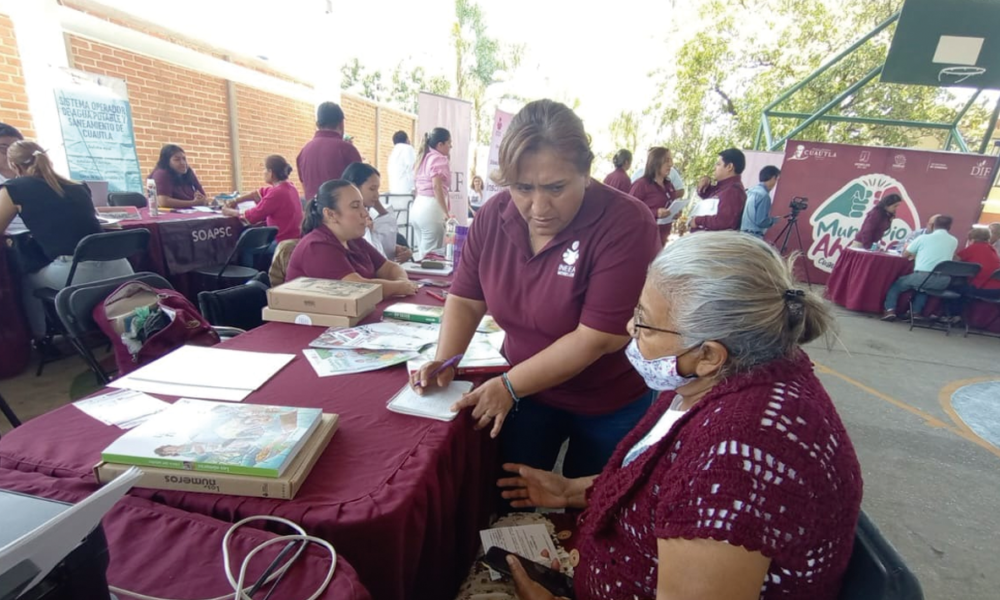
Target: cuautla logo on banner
<point>838,219</point>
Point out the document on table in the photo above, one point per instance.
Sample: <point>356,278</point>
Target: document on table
<point>675,209</point>
<point>530,541</point>
<point>387,335</point>
<point>47,545</point>
<point>344,361</point>
<point>434,404</point>
<point>122,408</point>
<point>206,373</point>
<point>707,207</point>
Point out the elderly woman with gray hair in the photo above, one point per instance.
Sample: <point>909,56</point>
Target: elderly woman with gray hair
<point>741,481</point>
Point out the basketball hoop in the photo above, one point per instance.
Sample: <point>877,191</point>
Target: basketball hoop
<point>955,75</point>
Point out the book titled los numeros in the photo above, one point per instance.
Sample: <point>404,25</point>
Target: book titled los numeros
<point>218,437</point>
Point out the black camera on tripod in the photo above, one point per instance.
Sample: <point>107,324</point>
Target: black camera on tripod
<point>798,204</point>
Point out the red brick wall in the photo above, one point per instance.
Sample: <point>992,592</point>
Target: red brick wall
<point>361,117</point>
<point>13,99</point>
<point>170,104</point>
<point>270,124</point>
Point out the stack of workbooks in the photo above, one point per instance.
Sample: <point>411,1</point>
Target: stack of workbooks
<point>223,448</point>
<point>323,302</point>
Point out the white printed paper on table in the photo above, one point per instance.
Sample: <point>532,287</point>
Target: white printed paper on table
<point>530,541</point>
<point>342,361</point>
<point>707,207</point>
<point>122,408</point>
<point>206,373</point>
<point>386,335</point>
<point>435,403</point>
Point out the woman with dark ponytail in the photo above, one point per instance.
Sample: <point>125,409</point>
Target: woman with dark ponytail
<point>277,204</point>
<point>619,178</point>
<point>59,213</point>
<point>333,244</point>
<point>431,207</point>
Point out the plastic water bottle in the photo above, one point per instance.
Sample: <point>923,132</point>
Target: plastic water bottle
<point>154,207</point>
<point>450,227</point>
<point>461,234</point>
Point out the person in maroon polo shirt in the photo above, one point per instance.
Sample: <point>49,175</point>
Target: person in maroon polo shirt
<point>654,188</point>
<point>326,155</point>
<point>728,194</point>
<point>877,222</point>
<point>559,261</point>
<point>176,184</point>
<point>333,245</point>
<point>619,178</point>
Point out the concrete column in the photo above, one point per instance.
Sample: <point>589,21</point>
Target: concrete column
<point>43,51</point>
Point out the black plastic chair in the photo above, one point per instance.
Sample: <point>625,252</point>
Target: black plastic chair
<point>75,306</point>
<point>127,199</point>
<point>957,274</point>
<point>239,306</point>
<point>976,295</point>
<point>97,247</point>
<point>9,413</point>
<point>876,571</point>
<point>253,239</point>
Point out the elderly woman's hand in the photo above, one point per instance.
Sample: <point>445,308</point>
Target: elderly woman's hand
<point>491,402</point>
<point>528,589</point>
<point>534,488</point>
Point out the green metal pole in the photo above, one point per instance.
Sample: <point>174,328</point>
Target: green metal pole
<point>959,140</point>
<point>822,68</point>
<point>760,132</point>
<point>826,107</point>
<point>865,120</point>
<point>990,128</point>
<point>768,137</point>
<point>947,142</point>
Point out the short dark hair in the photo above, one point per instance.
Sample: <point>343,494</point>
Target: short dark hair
<point>329,115</point>
<point>943,222</point>
<point>768,173</point>
<point>10,131</point>
<point>278,166</point>
<point>358,173</point>
<point>400,137</point>
<point>732,156</point>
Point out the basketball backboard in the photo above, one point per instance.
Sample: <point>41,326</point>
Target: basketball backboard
<point>946,43</point>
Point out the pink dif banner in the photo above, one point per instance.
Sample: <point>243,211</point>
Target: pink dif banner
<point>501,121</point>
<point>844,182</point>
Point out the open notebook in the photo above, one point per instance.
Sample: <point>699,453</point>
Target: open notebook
<point>434,404</point>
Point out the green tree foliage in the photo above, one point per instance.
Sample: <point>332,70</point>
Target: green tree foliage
<point>399,89</point>
<point>748,52</point>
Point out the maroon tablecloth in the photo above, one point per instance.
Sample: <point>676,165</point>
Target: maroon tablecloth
<point>861,279</point>
<point>401,497</point>
<point>166,552</point>
<point>183,242</point>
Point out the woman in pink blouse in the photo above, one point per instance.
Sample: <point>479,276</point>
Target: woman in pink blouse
<point>278,204</point>
<point>740,481</point>
<point>433,180</point>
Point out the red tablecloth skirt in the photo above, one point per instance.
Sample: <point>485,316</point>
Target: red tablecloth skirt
<point>170,553</point>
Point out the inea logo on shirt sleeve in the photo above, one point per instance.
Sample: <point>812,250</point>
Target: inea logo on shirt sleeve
<point>569,259</point>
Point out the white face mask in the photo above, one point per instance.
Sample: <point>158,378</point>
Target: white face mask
<point>660,373</point>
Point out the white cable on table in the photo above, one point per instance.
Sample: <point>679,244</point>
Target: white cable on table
<point>239,592</point>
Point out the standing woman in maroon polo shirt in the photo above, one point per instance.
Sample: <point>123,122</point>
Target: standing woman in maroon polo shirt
<point>431,208</point>
<point>654,188</point>
<point>877,222</point>
<point>176,184</point>
<point>619,178</point>
<point>728,194</point>
<point>333,244</point>
<point>558,260</point>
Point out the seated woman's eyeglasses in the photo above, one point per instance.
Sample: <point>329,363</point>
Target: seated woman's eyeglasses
<point>637,324</point>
